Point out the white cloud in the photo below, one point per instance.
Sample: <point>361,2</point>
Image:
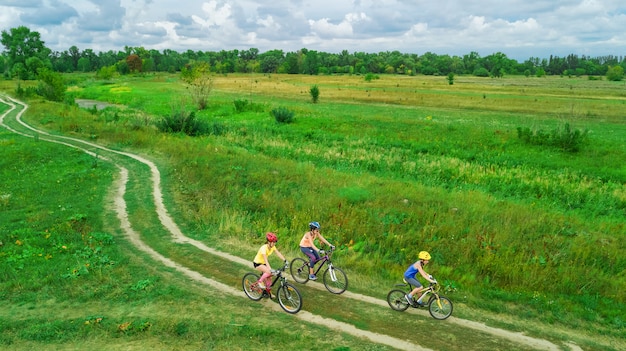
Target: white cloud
<point>215,15</point>
<point>324,28</point>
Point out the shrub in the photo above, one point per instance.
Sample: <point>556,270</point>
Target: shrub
<point>565,139</point>
<point>51,85</point>
<point>615,73</point>
<point>315,93</point>
<point>182,122</point>
<point>450,78</point>
<point>240,105</point>
<point>282,115</point>
<point>106,72</point>
<point>481,72</point>
<point>370,77</point>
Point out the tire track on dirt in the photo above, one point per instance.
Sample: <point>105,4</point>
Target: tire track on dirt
<point>179,237</point>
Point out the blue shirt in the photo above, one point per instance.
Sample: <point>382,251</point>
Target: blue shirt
<point>411,272</point>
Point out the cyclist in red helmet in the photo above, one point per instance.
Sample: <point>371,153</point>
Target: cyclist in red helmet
<point>261,263</point>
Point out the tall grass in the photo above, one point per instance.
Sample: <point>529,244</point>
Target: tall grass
<point>68,279</point>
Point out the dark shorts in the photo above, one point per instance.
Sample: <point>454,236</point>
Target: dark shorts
<point>257,264</point>
<point>413,282</point>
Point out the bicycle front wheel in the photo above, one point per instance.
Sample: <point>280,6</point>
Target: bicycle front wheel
<point>440,307</point>
<point>251,287</point>
<point>289,298</point>
<point>335,280</point>
<point>299,269</point>
<point>397,300</point>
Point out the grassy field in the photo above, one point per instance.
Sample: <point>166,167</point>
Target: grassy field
<point>389,167</point>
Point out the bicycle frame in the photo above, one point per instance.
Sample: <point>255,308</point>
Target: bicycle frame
<point>431,289</point>
<point>323,260</point>
<point>278,277</point>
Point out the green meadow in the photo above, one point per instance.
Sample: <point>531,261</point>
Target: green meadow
<point>514,185</point>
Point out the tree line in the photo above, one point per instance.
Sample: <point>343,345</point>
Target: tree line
<point>25,53</point>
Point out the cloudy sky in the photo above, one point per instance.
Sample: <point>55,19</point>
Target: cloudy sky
<point>519,28</point>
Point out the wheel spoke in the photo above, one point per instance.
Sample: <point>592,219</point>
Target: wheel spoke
<point>335,280</point>
<point>299,269</point>
<point>396,300</point>
<point>440,308</point>
<point>289,298</point>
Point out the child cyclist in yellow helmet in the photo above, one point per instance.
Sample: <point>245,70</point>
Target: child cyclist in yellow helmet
<point>261,263</point>
<point>410,275</point>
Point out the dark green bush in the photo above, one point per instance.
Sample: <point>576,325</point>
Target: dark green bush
<point>183,122</point>
<point>315,93</point>
<point>243,105</point>
<point>370,77</point>
<point>282,115</point>
<point>481,72</point>
<point>51,85</point>
<point>240,105</point>
<point>565,139</point>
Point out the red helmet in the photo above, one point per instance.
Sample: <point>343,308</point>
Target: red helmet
<point>271,237</point>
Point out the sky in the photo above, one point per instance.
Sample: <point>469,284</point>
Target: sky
<point>520,29</point>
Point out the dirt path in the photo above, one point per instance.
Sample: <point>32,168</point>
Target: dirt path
<point>133,237</point>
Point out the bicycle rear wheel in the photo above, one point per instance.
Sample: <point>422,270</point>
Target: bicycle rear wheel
<point>335,280</point>
<point>440,308</point>
<point>289,298</point>
<point>397,300</point>
<point>299,269</point>
<point>251,287</point>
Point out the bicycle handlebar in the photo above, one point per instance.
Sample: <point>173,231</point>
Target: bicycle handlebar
<point>327,252</point>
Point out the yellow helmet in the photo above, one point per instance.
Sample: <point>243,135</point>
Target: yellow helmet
<point>424,255</point>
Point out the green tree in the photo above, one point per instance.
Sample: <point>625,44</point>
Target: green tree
<point>106,72</point>
<point>20,45</point>
<point>51,85</point>
<point>540,73</point>
<point>83,64</point>
<point>33,65</point>
<point>291,64</point>
<point>271,60</point>
<point>199,82</point>
<point>615,73</point>
<point>74,55</point>
<point>310,62</point>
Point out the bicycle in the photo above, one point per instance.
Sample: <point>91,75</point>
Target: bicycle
<point>335,280</point>
<point>289,298</point>
<point>440,307</point>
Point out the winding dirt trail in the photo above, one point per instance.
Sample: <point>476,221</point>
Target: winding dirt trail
<point>133,237</point>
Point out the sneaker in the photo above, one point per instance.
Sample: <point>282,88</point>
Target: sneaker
<point>272,296</point>
<point>409,300</point>
<point>261,285</point>
<point>312,277</point>
<point>420,304</point>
